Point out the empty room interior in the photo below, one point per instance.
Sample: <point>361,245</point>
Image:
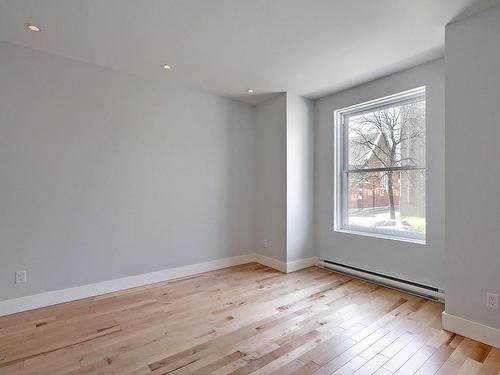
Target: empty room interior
<point>249,187</point>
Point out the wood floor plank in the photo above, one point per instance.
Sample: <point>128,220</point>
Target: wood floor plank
<point>247,319</point>
<point>372,365</point>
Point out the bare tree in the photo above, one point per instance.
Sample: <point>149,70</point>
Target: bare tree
<point>388,136</point>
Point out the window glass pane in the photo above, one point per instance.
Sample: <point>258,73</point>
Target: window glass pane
<point>389,137</point>
<point>387,201</point>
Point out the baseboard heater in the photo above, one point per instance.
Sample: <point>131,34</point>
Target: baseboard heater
<point>411,287</point>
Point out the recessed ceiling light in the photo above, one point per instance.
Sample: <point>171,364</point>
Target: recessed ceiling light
<point>250,91</point>
<point>167,67</point>
<point>32,27</point>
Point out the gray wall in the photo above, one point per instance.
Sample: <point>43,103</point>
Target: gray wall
<point>270,177</point>
<point>103,175</point>
<point>472,166</point>
<point>410,261</point>
<point>300,177</point>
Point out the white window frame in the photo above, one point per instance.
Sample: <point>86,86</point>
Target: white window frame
<point>341,189</point>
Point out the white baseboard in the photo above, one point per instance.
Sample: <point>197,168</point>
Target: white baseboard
<point>270,262</point>
<point>470,329</point>
<point>300,264</point>
<point>286,267</point>
<point>55,297</point>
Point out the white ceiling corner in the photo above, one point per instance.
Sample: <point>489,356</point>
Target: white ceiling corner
<point>308,47</point>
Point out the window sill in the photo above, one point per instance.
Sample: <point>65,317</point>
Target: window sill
<point>381,236</point>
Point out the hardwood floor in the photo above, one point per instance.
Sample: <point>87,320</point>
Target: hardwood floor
<point>242,320</point>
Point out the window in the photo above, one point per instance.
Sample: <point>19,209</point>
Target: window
<point>380,167</point>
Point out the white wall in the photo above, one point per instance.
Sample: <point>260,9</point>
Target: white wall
<point>270,177</point>
<point>284,177</point>
<point>409,261</point>
<point>300,177</point>
<point>104,175</point>
<point>472,166</point>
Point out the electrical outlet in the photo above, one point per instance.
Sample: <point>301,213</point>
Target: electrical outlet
<point>266,244</point>
<point>20,277</point>
<point>492,300</point>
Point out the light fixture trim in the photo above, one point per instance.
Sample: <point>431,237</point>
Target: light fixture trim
<point>250,91</point>
<point>33,27</point>
<point>167,66</point>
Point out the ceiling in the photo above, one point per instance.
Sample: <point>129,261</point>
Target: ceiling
<point>309,47</point>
